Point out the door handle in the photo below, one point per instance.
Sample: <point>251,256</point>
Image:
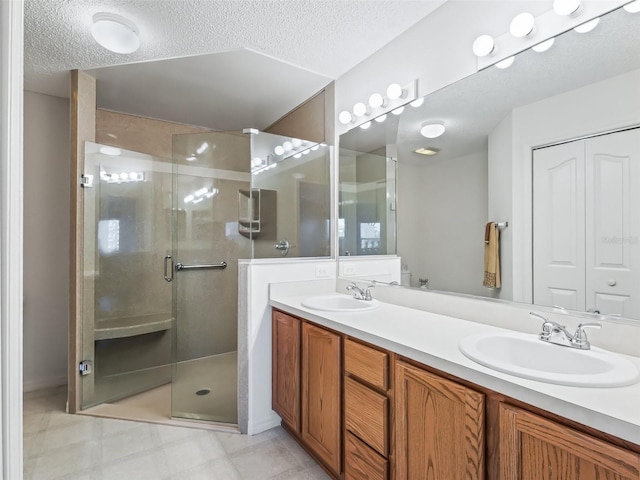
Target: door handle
<point>206,266</point>
<point>168,270</point>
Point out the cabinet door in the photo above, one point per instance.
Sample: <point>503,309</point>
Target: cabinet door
<point>534,448</point>
<point>321,371</point>
<point>285,392</point>
<point>439,427</point>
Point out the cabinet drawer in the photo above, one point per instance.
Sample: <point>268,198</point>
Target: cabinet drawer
<point>366,363</point>
<point>363,463</point>
<point>366,414</point>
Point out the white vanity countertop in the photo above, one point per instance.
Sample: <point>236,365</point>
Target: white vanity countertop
<point>432,339</point>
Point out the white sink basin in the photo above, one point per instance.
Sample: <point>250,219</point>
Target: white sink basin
<point>337,302</point>
<point>526,356</point>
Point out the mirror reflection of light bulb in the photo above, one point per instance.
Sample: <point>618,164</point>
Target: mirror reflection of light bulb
<point>417,102</point>
<point>365,125</point>
<point>381,118</point>
<point>544,46</point>
<point>587,27</point>
<point>633,7</point>
<point>506,63</point>
<point>398,111</point>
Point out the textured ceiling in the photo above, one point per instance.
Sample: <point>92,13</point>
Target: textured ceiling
<point>326,37</point>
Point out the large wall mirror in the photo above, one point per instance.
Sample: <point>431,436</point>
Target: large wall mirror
<point>548,148</point>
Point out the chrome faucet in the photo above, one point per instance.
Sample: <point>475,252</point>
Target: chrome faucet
<point>553,332</point>
<point>359,293</point>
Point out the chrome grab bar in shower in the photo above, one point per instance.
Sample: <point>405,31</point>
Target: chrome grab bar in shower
<point>181,266</point>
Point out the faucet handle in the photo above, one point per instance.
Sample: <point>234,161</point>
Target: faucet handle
<point>367,292</point>
<point>580,337</point>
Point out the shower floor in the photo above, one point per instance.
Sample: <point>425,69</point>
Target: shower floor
<point>217,373</point>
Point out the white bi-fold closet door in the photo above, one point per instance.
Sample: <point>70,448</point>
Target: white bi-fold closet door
<point>586,224</point>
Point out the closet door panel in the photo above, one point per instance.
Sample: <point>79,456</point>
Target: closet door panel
<point>558,226</point>
<point>613,223</point>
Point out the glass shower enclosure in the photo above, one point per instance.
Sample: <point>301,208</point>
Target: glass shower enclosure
<point>162,240</point>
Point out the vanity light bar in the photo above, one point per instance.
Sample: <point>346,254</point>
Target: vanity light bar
<point>379,105</point>
<point>538,33</point>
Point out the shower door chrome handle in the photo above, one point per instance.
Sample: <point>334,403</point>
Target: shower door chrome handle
<point>168,270</point>
<point>206,266</point>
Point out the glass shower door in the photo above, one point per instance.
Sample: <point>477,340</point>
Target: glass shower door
<point>209,171</point>
<point>126,305</point>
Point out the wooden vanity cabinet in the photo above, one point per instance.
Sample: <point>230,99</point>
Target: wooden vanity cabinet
<point>536,448</point>
<point>366,412</point>
<point>306,386</point>
<point>439,427</point>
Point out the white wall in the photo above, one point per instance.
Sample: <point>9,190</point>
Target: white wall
<point>46,240</point>
<point>500,199</point>
<point>451,212</point>
<point>254,332</point>
<point>11,251</point>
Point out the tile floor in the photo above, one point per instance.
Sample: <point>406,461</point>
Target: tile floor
<point>79,447</point>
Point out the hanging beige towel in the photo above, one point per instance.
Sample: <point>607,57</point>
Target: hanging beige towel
<point>491,256</point>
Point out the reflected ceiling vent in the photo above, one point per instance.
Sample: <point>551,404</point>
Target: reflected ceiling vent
<point>428,151</point>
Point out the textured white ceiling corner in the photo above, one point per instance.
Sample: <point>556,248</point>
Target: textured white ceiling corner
<point>327,37</point>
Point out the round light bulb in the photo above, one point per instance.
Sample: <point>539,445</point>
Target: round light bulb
<point>345,117</point>
<point>296,142</point>
<point>522,25</point>
<point>506,63</point>
<point>359,109</point>
<point>279,150</point>
<point>483,45</point>
<point>288,146</point>
<point>544,46</point>
<point>587,27</point>
<point>376,100</point>
<point>365,125</point>
<point>115,33</point>
<point>124,175</point>
<point>432,129</point>
<point>398,111</point>
<point>417,103</point>
<point>256,162</point>
<point>381,118</point>
<point>395,91</point>
<point>566,7</point>
<point>633,7</point>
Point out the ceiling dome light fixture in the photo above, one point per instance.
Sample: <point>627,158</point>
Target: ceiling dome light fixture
<point>522,25</point>
<point>633,7</point>
<point>587,27</point>
<point>432,129</point>
<point>483,45</point>
<point>376,101</point>
<point>543,46</point>
<point>112,151</point>
<point>566,7</point>
<point>395,91</point>
<point>506,63</point>
<point>115,33</point>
